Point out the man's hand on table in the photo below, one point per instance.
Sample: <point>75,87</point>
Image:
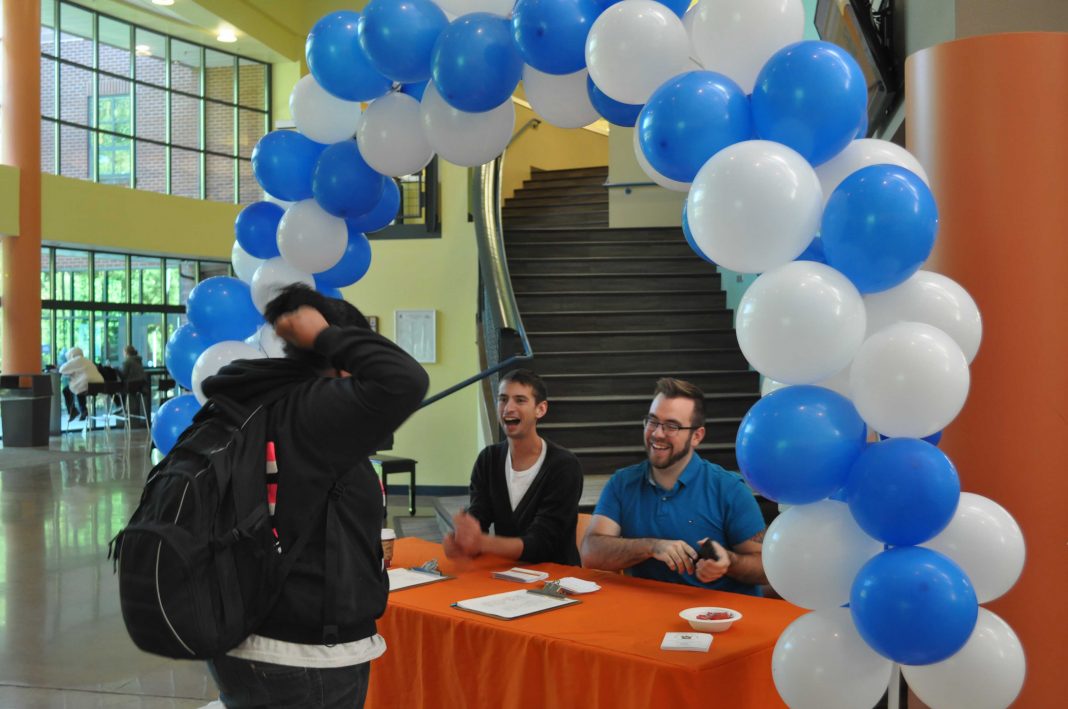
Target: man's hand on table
<point>709,570</point>
<point>677,554</point>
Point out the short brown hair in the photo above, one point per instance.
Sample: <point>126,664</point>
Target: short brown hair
<point>530,379</point>
<point>673,388</point>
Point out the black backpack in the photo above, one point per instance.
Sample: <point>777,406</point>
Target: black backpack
<point>198,563</point>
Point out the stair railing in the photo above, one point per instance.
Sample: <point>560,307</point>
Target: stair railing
<point>503,341</point>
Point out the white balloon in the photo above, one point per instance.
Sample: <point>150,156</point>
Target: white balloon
<point>634,47</point>
<point>754,205</point>
<point>463,7</point>
<point>391,137</point>
<point>244,263</point>
<point>863,153</point>
<point>321,116</point>
<point>650,171</point>
<point>561,100</point>
<point>986,542</point>
<point>930,298</point>
<point>267,197</point>
<point>737,37</point>
<point>987,673</point>
<point>910,380</point>
<point>838,383</point>
<point>215,358</point>
<point>270,278</point>
<point>310,239</point>
<point>800,323</point>
<point>465,139</point>
<point>821,662</point>
<point>812,554</point>
<point>267,341</point>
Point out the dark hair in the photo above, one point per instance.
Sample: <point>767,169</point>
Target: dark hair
<point>673,388</point>
<point>336,312</point>
<point>530,379</point>
<point>131,351</point>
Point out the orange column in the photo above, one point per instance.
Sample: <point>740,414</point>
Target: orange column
<point>22,148</point>
<point>986,117</point>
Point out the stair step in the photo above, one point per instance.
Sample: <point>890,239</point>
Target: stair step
<point>536,193</point>
<point>594,171</point>
<point>536,200</point>
<point>638,383</point>
<point>575,181</point>
<point>545,219</point>
<point>549,301</point>
<point>605,249</point>
<point>520,233</point>
<point>625,320</point>
<point>557,207</point>
<point>523,283</point>
<point>603,460</point>
<point>639,360</point>
<point>669,266</point>
<point>585,341</point>
<point>611,433</point>
<point>626,407</point>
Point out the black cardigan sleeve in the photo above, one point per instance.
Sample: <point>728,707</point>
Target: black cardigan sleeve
<point>481,504</point>
<point>554,517</point>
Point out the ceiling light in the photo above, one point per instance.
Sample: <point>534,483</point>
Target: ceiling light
<point>143,50</point>
<point>226,35</point>
<point>165,3</point>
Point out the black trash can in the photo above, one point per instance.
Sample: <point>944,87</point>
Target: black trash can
<point>25,412</point>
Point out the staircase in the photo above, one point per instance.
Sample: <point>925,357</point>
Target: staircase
<point>608,311</point>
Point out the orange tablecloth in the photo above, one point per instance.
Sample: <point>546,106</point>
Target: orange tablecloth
<point>603,652</point>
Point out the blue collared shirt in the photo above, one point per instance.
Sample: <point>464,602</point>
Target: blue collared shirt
<point>707,501</point>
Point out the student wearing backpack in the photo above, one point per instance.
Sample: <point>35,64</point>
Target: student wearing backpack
<point>348,389</point>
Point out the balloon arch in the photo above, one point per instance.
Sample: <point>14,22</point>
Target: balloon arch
<point>765,134</point>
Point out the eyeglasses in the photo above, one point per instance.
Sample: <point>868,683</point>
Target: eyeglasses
<point>670,428</point>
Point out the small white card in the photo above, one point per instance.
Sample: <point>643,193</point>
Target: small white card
<point>687,642</point>
<point>574,585</point>
<point>520,575</point>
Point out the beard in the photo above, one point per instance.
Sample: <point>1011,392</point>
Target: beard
<point>675,457</point>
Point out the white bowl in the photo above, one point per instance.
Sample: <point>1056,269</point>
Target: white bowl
<point>709,626</point>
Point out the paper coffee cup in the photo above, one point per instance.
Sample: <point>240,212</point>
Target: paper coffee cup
<point>388,538</point>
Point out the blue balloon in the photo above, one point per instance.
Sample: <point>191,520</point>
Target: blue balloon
<point>398,37</point>
<point>221,308</point>
<point>382,214</point>
<point>283,162</point>
<point>689,237</point>
<point>338,62</point>
<point>797,444</point>
<point>353,265</point>
<point>256,227</point>
<point>903,491</point>
<point>173,417</point>
<point>913,605</point>
<point>813,252</point>
<point>862,130</point>
<point>810,96</point>
<point>415,90</point>
<point>343,183</point>
<point>183,348</point>
<point>615,112</point>
<point>689,119</point>
<point>679,7</point>
<point>879,226</point>
<point>551,34</point>
<point>933,439</point>
<point>476,67</point>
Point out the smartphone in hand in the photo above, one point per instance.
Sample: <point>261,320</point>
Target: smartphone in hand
<point>707,551</point>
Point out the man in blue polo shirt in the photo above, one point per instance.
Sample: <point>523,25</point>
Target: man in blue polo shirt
<point>652,517</point>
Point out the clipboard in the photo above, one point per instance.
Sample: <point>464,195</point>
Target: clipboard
<point>431,577</point>
<point>558,601</point>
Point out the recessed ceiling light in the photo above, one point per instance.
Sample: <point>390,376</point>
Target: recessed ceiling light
<point>143,50</point>
<point>226,35</point>
<point>165,3</point>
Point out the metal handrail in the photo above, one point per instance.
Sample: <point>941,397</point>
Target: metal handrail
<point>617,185</point>
<point>485,185</point>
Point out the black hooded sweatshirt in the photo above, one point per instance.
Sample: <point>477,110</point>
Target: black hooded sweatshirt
<point>323,428</point>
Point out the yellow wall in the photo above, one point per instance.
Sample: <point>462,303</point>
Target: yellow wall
<point>9,200</point>
<point>80,212</point>
<point>549,148</point>
<point>442,275</point>
<point>644,206</point>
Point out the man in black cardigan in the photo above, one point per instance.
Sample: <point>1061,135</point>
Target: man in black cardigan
<point>528,488</point>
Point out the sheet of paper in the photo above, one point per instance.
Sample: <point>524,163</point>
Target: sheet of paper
<point>576,585</point>
<point>406,578</point>
<point>513,604</point>
<point>521,575</point>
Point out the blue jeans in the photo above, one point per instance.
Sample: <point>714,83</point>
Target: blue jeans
<point>244,684</point>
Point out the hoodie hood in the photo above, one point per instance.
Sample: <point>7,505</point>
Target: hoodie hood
<point>251,381</point>
<point>74,352</point>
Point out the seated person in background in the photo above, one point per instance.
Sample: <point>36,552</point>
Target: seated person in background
<point>528,488</point>
<point>81,373</point>
<point>133,376</point>
<point>652,517</point>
